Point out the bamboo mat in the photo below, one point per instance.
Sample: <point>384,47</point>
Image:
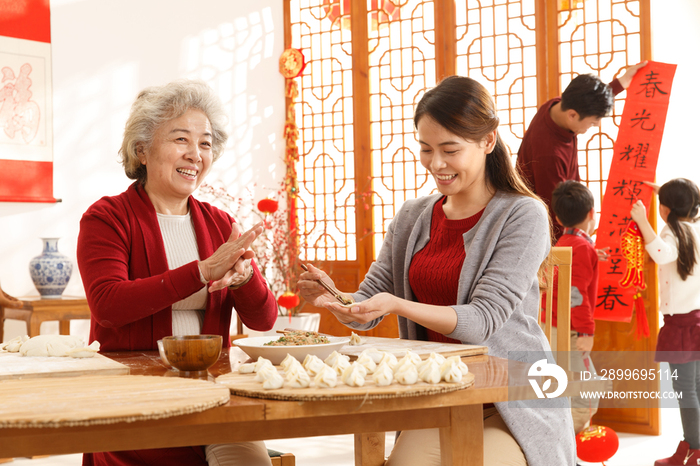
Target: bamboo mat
<point>244,385</point>
<point>103,399</point>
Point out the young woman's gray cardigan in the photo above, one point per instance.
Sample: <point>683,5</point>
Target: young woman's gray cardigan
<point>497,298</point>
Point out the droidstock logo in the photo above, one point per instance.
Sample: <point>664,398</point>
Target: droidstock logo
<point>542,368</point>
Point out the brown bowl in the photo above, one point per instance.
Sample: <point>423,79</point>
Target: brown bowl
<point>192,353</point>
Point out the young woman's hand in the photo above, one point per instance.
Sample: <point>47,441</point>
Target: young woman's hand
<point>313,292</point>
<point>365,311</point>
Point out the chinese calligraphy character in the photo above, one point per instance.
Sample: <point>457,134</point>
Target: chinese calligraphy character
<point>651,85</point>
<point>642,119</point>
<point>637,153</point>
<point>610,298</point>
<point>629,190</point>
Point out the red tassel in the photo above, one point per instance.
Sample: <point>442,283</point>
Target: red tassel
<point>642,323</point>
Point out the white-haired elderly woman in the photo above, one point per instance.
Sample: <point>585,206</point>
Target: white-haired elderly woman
<point>155,261</point>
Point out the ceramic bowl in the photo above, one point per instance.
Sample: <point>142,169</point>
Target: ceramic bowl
<point>255,347</point>
<point>191,353</point>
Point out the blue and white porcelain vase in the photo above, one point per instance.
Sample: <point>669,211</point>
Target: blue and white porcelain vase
<point>51,270</point>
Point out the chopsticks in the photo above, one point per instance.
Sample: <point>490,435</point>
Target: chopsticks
<point>336,294</point>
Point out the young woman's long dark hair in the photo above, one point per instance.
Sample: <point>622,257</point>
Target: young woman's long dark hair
<point>682,198</point>
<point>464,107</point>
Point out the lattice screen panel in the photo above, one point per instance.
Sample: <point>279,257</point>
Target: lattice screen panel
<point>496,46</point>
<point>603,38</point>
<point>401,68</point>
<point>325,205</point>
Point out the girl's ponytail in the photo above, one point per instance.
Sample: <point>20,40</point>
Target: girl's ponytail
<point>682,198</point>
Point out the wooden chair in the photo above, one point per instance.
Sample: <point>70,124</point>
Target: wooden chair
<point>281,459</point>
<point>560,257</point>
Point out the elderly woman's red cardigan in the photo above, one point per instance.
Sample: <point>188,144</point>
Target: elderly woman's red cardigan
<point>130,290</point>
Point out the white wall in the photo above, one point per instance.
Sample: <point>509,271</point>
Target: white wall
<point>676,38</point>
<point>104,52</point>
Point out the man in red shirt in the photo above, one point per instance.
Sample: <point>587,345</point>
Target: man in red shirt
<point>549,153</point>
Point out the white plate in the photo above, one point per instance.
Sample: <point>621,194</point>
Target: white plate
<point>254,347</point>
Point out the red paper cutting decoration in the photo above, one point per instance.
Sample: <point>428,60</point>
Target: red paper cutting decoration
<point>292,63</point>
<point>632,247</point>
<point>596,444</point>
<point>268,206</point>
<point>381,12</point>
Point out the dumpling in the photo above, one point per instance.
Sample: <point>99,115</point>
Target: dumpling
<point>246,368</point>
<point>13,345</point>
<point>327,378</point>
<point>355,339</point>
<point>293,366</point>
<point>389,359</point>
<point>434,357</point>
<point>263,373</point>
<point>340,365</point>
<point>367,361</point>
<point>332,358</point>
<point>406,374</point>
<point>313,364</point>
<point>411,357</point>
<point>430,372</point>
<point>373,353</point>
<point>450,372</point>
<point>273,380</point>
<point>261,363</point>
<point>297,379</point>
<point>287,361</point>
<point>354,376</point>
<point>459,363</point>
<point>383,375</point>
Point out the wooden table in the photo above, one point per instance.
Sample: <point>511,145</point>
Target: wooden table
<point>37,310</point>
<point>457,414</point>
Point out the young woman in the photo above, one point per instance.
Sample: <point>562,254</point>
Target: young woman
<point>461,266</point>
<point>675,250</point>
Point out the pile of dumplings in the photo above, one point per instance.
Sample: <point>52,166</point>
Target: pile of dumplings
<point>383,367</point>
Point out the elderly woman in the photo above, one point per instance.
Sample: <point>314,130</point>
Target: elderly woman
<point>156,262</point>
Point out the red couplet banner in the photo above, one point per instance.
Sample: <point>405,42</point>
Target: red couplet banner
<point>635,154</point>
<point>26,131</point>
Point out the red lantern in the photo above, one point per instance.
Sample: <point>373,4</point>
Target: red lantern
<point>268,206</point>
<point>288,300</point>
<point>596,444</point>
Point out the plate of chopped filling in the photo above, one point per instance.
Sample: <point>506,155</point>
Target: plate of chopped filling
<point>299,344</point>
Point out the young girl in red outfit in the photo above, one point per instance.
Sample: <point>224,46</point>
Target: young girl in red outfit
<point>675,250</point>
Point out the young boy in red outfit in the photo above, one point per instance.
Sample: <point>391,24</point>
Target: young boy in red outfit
<point>573,205</point>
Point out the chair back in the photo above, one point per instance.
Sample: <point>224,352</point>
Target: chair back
<point>560,258</point>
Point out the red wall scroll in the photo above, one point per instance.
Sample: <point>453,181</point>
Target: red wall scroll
<point>26,139</point>
<point>635,154</point>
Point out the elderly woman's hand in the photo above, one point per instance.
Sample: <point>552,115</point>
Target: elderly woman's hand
<point>230,259</point>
